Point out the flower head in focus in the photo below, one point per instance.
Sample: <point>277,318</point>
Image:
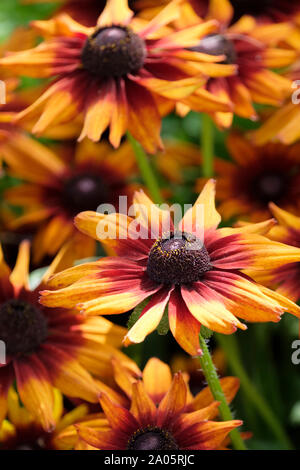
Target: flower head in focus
<point>194,271</point>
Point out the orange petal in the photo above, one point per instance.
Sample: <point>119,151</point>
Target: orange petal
<point>157,378</point>
<point>285,218</point>
<point>230,387</point>
<point>144,121</point>
<point>35,389</point>
<point>20,274</point>
<point>185,328</point>
<point>104,440</point>
<point>68,375</point>
<point>203,214</point>
<point>6,379</point>
<point>118,417</point>
<point>142,406</point>
<point>155,219</point>
<point>173,402</point>
<point>99,113</point>
<point>149,319</point>
<point>115,12</point>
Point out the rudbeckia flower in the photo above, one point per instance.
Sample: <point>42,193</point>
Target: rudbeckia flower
<point>162,415</point>
<point>118,73</point>
<point>48,348</point>
<point>283,124</point>
<point>195,269</point>
<point>22,431</point>
<point>256,177</point>
<point>12,134</point>
<point>253,49</point>
<point>59,184</point>
<point>264,10</point>
<point>285,279</point>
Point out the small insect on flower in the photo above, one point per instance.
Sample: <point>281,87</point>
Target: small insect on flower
<point>204,285</point>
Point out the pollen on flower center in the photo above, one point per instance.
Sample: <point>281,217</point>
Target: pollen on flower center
<point>217,44</point>
<point>84,192</point>
<point>270,187</point>
<point>113,52</point>
<point>178,258</point>
<point>23,327</point>
<point>152,438</point>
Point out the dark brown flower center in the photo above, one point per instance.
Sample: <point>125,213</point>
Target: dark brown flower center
<point>217,44</point>
<point>270,187</point>
<point>178,258</point>
<point>113,52</point>
<point>152,438</point>
<point>84,192</point>
<point>23,327</point>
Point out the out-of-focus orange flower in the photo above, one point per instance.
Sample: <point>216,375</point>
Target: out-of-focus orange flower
<point>48,348</point>
<point>283,124</point>
<point>118,73</point>
<point>58,185</point>
<point>256,177</point>
<point>253,48</point>
<point>286,279</point>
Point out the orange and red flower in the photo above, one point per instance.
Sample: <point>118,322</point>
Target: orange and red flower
<point>58,185</point>
<point>283,124</point>
<point>48,348</point>
<point>253,49</point>
<point>256,177</point>
<point>163,414</point>
<point>286,279</point>
<point>118,73</point>
<point>196,270</point>
<point>22,431</point>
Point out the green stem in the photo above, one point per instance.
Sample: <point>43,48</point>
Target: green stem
<point>230,346</point>
<point>146,170</point>
<point>211,376</point>
<point>207,146</point>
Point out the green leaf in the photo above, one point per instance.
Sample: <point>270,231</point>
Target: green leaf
<point>206,333</point>
<point>295,414</point>
<point>163,327</point>
<point>36,276</point>
<point>136,313</point>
